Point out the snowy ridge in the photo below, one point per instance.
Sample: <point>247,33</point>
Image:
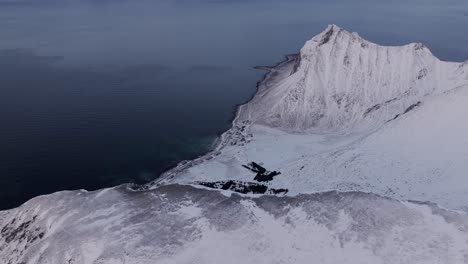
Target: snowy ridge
<point>183,224</point>
<point>340,81</point>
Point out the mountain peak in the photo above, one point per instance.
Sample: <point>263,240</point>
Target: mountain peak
<point>326,35</point>
<point>331,27</point>
<point>340,80</point>
<point>335,35</point>
<point>331,30</point>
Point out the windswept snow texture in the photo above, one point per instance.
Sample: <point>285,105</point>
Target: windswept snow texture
<point>350,115</point>
<point>183,224</point>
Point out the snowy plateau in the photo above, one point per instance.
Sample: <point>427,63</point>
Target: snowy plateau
<point>349,152</point>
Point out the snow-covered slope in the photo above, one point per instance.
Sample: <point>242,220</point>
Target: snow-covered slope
<point>340,80</point>
<point>422,155</point>
<point>348,114</point>
<point>184,225</point>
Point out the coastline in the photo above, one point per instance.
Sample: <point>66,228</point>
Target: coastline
<point>222,138</point>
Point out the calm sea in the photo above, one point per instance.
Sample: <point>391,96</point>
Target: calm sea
<point>102,92</point>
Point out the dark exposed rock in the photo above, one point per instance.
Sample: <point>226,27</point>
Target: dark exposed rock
<point>419,46</point>
<point>18,233</point>
<point>372,109</point>
<point>262,174</point>
<point>267,176</point>
<point>278,191</point>
<point>327,36</point>
<point>422,73</point>
<point>377,107</point>
<point>255,167</point>
<point>391,100</point>
<point>346,61</point>
<point>411,107</point>
<point>297,64</point>
<point>242,187</point>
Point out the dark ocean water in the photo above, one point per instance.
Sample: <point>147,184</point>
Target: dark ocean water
<point>98,93</point>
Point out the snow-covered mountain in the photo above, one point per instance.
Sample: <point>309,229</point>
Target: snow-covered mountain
<point>350,115</point>
<point>349,130</point>
<point>340,80</point>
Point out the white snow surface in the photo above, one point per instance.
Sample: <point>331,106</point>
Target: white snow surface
<point>357,131</point>
<point>341,81</point>
<point>183,224</point>
<point>413,146</point>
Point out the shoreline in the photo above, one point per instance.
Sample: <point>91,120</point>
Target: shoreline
<point>287,59</point>
<point>221,139</point>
